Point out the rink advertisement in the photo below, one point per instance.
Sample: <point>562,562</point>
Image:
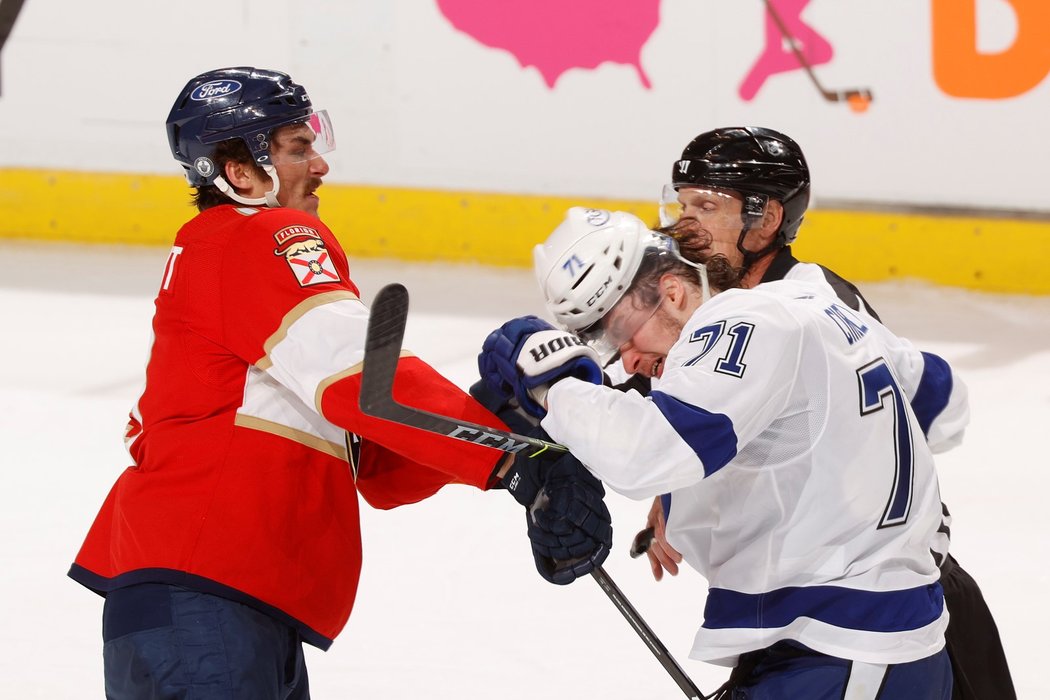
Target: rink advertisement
<point>465,129</point>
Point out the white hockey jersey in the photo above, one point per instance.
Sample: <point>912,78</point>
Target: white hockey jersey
<point>794,437</point>
<point>821,276</point>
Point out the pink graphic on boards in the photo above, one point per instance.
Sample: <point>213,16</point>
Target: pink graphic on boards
<point>778,57</point>
<point>556,35</point>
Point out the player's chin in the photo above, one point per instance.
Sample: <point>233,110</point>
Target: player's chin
<point>310,203</point>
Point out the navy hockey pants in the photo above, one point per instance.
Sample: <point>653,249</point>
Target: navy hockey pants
<point>163,642</point>
<point>790,670</point>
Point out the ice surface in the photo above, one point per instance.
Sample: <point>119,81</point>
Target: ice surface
<point>449,604</point>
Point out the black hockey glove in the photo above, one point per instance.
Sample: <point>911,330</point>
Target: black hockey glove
<point>569,526</point>
<point>506,408</point>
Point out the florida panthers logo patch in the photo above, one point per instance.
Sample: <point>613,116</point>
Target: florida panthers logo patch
<point>305,253</point>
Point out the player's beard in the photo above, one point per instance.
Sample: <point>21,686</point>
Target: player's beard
<point>670,328</point>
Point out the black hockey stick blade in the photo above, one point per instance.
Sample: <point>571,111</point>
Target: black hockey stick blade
<point>386,332</point>
<point>651,640</point>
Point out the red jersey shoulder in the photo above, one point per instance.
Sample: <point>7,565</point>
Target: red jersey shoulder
<point>294,245</point>
<point>284,247</point>
<point>303,245</point>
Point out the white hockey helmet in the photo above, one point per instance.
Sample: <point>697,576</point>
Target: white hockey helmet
<point>587,263</point>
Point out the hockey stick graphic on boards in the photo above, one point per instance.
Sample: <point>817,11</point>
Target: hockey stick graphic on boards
<point>857,98</point>
<point>386,332</point>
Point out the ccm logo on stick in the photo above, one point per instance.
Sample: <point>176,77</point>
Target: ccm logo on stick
<point>487,439</point>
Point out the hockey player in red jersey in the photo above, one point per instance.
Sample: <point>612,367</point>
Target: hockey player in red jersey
<point>235,534</point>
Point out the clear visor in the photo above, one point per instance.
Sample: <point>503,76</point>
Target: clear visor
<point>619,325</point>
<point>677,201</point>
<point>634,309</point>
<point>302,140</point>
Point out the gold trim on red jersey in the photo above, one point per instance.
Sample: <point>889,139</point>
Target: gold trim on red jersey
<point>303,438</point>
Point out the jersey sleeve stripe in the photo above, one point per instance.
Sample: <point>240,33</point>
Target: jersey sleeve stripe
<point>934,391</point>
<point>339,376</point>
<point>294,315</point>
<point>710,435</point>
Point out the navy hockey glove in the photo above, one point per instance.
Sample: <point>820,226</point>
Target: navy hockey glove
<point>524,356</point>
<point>570,527</point>
<point>506,409</point>
<point>527,475</point>
<point>496,362</point>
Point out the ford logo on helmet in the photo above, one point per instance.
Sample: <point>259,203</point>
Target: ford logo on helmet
<point>215,88</point>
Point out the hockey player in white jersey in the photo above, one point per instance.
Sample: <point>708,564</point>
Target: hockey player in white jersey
<point>746,189</point>
<point>793,436</point>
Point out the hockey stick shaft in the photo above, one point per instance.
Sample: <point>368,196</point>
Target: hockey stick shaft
<point>386,332</point>
<point>646,633</point>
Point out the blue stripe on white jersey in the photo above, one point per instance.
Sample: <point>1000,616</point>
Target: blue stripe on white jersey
<point>875,611</point>
<point>710,435</point>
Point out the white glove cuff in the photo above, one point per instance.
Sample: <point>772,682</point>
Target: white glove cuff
<point>547,350</point>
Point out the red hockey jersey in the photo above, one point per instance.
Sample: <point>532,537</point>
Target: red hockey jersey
<point>242,483</point>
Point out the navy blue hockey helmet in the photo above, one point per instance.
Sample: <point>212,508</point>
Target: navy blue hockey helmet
<point>244,102</point>
<point>759,163</point>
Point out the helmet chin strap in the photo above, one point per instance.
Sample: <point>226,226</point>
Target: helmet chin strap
<point>701,273</point>
<point>705,286</point>
<point>267,200</point>
<point>751,256</point>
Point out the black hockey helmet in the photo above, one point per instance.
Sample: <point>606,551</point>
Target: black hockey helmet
<point>759,163</point>
<point>244,102</point>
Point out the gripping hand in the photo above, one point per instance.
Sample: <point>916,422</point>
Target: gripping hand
<point>523,357</point>
<point>505,408</point>
<point>569,526</point>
